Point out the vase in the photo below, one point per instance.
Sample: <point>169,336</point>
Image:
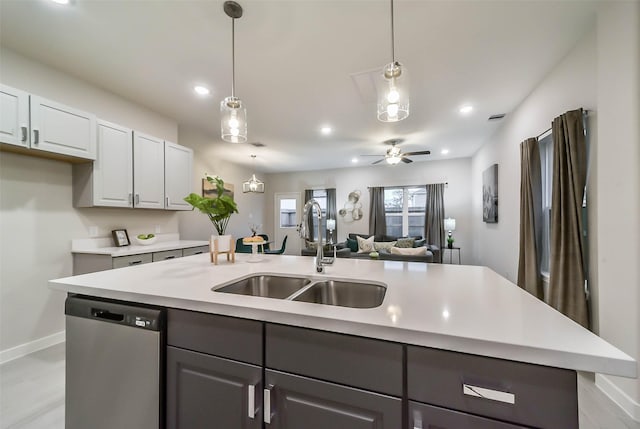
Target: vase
<point>450,245</point>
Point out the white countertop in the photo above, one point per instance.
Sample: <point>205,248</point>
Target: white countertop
<point>460,308</point>
<point>103,246</point>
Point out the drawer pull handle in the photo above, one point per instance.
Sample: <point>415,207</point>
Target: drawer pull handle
<point>36,136</point>
<point>267,404</point>
<point>134,263</point>
<point>252,411</point>
<point>484,393</point>
<point>24,134</point>
<point>198,253</point>
<point>169,257</point>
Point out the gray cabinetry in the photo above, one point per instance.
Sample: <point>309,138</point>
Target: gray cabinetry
<point>195,250</point>
<point>295,402</point>
<point>520,393</point>
<point>214,371</point>
<point>129,261</point>
<point>166,255</point>
<point>208,391</point>
<point>320,380</point>
<point>422,416</point>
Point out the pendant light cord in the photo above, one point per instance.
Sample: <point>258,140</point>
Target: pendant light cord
<point>393,42</point>
<point>233,57</point>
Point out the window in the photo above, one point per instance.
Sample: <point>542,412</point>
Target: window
<point>404,210</point>
<point>288,213</point>
<point>546,163</point>
<point>320,195</point>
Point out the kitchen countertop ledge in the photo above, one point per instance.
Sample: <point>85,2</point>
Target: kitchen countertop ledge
<point>468,309</point>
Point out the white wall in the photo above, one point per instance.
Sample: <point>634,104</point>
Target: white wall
<point>457,195</point>
<point>570,85</point>
<point>37,220</point>
<point>195,225</point>
<point>619,190</point>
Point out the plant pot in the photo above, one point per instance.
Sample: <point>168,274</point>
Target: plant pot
<point>224,242</point>
<point>450,245</point>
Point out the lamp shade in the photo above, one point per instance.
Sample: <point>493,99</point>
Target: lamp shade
<point>331,224</point>
<point>393,93</point>
<point>450,224</point>
<point>233,122</point>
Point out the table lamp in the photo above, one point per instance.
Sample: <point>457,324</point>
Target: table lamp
<point>450,225</point>
<point>331,225</point>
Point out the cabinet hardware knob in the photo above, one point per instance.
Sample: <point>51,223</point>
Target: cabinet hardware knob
<point>137,201</point>
<point>36,136</point>
<point>135,262</point>
<point>130,199</point>
<point>267,404</point>
<point>24,134</point>
<point>491,394</point>
<point>251,410</point>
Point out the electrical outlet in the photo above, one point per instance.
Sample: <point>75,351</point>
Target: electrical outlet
<point>93,231</point>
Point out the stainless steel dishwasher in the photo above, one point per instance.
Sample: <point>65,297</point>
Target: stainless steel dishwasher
<point>114,365</point>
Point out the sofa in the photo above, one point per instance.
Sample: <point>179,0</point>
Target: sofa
<point>349,249</point>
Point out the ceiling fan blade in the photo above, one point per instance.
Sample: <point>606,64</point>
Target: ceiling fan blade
<point>422,152</point>
<point>405,160</point>
<point>371,155</point>
<point>377,162</point>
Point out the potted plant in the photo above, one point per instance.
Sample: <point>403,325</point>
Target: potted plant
<point>450,241</point>
<point>219,209</point>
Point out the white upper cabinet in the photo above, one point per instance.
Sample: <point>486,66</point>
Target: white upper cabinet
<point>61,129</point>
<point>178,175</point>
<point>14,116</point>
<point>148,171</point>
<point>39,124</point>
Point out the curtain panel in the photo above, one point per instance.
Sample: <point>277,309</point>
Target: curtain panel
<point>434,216</point>
<point>377,218</point>
<point>567,274</point>
<point>332,212</point>
<point>308,195</point>
<point>529,277</point>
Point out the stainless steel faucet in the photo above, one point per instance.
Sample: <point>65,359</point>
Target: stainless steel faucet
<point>308,207</point>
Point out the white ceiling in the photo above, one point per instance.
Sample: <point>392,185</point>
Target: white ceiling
<point>297,63</point>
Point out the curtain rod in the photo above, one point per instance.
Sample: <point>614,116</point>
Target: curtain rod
<point>446,184</point>
<point>584,113</point>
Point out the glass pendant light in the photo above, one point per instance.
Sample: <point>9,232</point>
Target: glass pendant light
<point>253,185</point>
<point>233,115</point>
<point>393,87</point>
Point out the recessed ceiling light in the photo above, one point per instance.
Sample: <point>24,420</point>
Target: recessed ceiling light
<point>201,90</point>
<point>326,130</point>
<point>354,160</point>
<point>444,151</point>
<point>467,108</point>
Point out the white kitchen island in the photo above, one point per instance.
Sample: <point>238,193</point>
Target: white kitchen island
<point>465,309</point>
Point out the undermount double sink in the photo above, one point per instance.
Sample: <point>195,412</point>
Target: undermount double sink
<point>343,293</point>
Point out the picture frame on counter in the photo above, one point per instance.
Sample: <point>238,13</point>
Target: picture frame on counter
<point>120,237</point>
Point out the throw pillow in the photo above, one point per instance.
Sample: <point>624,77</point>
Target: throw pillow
<point>413,251</point>
<point>419,243</point>
<point>365,245</point>
<point>405,242</point>
<point>352,244</point>
<point>383,245</point>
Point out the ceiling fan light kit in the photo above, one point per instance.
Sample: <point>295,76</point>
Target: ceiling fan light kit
<point>233,114</point>
<point>393,87</point>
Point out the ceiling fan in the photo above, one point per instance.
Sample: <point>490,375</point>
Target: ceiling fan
<point>394,155</point>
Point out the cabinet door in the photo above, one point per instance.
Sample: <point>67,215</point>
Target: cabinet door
<point>61,129</point>
<point>113,168</point>
<point>14,116</point>
<point>178,175</point>
<point>148,171</point>
<point>205,391</point>
<point>422,416</point>
<point>294,402</point>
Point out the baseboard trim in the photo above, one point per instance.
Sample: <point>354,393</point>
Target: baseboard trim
<point>614,393</point>
<point>32,346</point>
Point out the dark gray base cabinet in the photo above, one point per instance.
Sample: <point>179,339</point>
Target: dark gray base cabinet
<point>297,402</point>
<point>206,391</point>
<point>423,416</point>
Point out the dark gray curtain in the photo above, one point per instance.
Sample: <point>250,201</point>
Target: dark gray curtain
<point>377,219</point>
<point>434,216</point>
<point>529,277</point>
<point>332,212</point>
<point>308,195</point>
<point>567,274</point>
